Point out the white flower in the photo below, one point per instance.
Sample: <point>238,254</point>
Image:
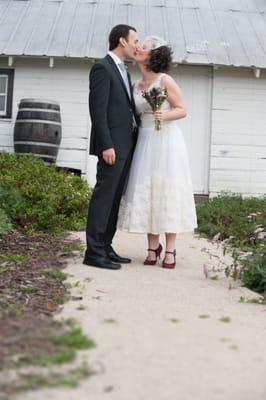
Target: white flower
<point>261,229</point>
<point>261,235</point>
<point>216,237</point>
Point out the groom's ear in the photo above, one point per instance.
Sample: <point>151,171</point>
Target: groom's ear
<point>122,41</point>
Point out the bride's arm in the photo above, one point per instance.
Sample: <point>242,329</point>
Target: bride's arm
<point>175,99</point>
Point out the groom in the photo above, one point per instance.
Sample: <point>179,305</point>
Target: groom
<point>113,137</point>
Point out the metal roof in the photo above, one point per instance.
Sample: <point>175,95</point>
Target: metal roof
<point>227,32</point>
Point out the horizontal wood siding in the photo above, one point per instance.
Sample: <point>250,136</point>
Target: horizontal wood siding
<point>238,143</point>
<point>66,83</point>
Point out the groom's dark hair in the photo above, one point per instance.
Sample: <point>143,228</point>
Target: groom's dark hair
<point>119,31</point>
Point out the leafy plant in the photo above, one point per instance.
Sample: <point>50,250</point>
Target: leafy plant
<point>36,196</point>
<point>253,273</point>
<point>231,215</point>
<point>241,224</point>
<point>5,223</point>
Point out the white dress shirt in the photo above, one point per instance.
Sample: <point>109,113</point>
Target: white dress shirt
<point>117,61</point>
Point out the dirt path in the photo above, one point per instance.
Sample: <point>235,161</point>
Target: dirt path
<point>159,333</point>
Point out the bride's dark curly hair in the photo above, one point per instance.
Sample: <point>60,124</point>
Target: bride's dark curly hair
<point>160,59</point>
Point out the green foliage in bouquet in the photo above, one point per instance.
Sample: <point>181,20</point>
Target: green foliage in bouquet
<point>36,196</point>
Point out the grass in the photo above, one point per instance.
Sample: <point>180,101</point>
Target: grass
<point>60,357</point>
<point>109,321</point>
<point>68,343</point>
<point>174,320</point>
<point>81,307</point>
<point>17,308</point>
<point>68,285</point>
<point>13,306</point>
<point>242,299</point>
<point>60,299</point>
<point>14,258</point>
<point>74,338</point>
<point>204,316</point>
<point>53,369</point>
<point>55,274</point>
<point>4,268</point>
<point>28,290</point>
<point>77,245</point>
<point>225,319</point>
<point>51,378</point>
<point>43,254</point>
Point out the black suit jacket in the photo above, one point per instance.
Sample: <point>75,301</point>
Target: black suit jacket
<point>111,110</point>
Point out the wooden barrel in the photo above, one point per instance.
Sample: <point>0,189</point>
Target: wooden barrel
<point>38,129</point>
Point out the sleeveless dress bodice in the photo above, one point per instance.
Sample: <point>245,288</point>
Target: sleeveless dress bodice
<point>144,109</point>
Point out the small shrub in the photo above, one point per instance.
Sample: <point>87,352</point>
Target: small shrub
<point>243,222</point>
<point>253,273</point>
<point>5,223</point>
<point>228,213</point>
<point>36,196</point>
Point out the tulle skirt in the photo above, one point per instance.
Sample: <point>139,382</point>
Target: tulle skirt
<point>158,196</point>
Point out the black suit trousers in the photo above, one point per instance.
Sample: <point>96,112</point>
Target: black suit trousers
<point>104,205</point>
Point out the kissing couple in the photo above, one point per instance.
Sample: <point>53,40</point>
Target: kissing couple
<point>143,182</point>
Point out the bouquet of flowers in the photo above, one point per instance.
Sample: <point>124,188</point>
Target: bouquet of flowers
<point>155,97</point>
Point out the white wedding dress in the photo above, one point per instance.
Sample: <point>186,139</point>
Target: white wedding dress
<point>158,196</point>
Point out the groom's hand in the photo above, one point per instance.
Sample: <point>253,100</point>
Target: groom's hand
<point>109,156</point>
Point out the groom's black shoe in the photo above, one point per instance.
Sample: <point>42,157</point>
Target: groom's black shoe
<point>116,258</point>
<point>100,262</point>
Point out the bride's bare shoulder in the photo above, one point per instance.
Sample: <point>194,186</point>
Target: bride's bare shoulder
<point>170,84</point>
<point>168,80</point>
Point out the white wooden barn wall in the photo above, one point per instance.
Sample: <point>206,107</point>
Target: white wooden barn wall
<point>66,83</point>
<point>230,103</point>
<point>238,142</point>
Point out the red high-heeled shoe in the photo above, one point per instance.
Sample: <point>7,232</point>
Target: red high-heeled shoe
<point>170,265</point>
<point>157,253</point>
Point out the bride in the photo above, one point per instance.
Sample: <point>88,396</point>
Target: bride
<point>158,198</point>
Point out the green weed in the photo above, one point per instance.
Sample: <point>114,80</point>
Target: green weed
<point>55,274</point>
<point>225,319</point>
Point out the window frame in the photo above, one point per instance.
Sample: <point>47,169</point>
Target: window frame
<point>10,86</point>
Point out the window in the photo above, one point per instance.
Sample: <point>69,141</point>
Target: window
<point>6,92</point>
